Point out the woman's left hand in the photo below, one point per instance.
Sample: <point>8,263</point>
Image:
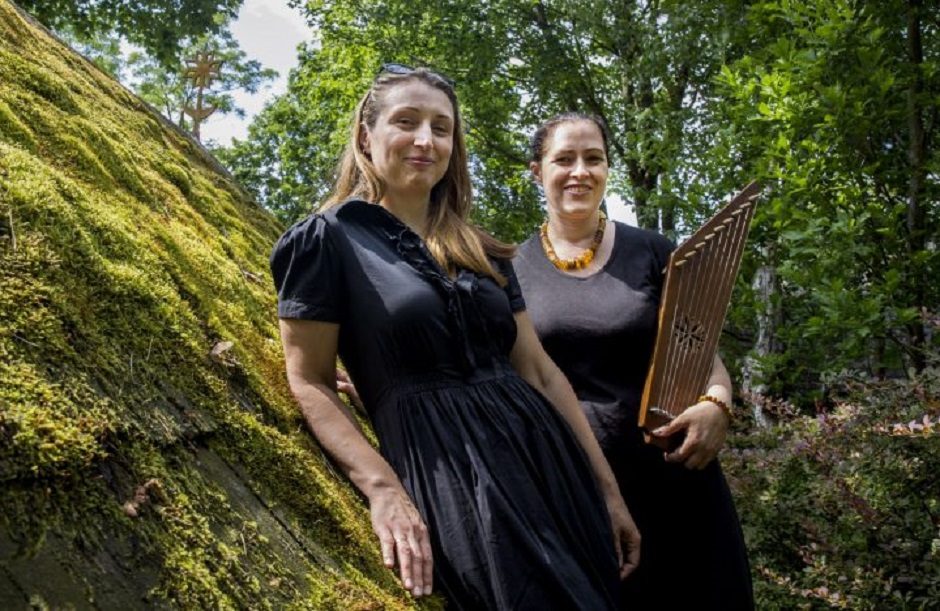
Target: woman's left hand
<point>344,385</point>
<point>626,535</point>
<point>706,426</point>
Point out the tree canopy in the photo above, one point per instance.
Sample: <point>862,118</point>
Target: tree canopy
<point>158,26</point>
<point>831,104</point>
<point>159,75</point>
<point>639,65</point>
<point>835,109</point>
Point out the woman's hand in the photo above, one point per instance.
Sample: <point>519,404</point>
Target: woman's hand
<point>626,535</point>
<point>706,426</point>
<point>344,385</point>
<point>404,539</point>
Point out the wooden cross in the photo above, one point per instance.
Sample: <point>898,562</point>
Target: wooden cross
<point>201,69</point>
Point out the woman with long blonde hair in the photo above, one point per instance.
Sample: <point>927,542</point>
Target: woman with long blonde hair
<point>487,482</point>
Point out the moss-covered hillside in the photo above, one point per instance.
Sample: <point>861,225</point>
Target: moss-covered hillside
<point>137,468</point>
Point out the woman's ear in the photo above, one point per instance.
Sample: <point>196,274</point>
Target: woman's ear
<point>536,168</point>
<point>364,145</point>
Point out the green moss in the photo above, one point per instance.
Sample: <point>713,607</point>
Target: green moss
<point>51,429</point>
<point>124,258</point>
<point>76,154</point>
<point>113,155</point>
<point>15,129</point>
<point>177,176</point>
<point>16,70</point>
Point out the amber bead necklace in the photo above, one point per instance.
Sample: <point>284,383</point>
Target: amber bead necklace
<point>579,262</point>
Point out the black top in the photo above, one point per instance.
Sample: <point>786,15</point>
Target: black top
<point>515,517</point>
<point>601,329</point>
<point>400,315</point>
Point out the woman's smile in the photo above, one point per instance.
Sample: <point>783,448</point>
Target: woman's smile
<point>578,189</point>
<point>412,140</point>
<point>573,170</point>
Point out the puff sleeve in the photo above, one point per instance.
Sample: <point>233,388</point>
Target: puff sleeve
<point>512,288</point>
<point>307,271</point>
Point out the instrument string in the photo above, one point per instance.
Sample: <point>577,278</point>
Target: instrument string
<point>669,367</point>
<point>714,294</point>
<point>738,234</point>
<point>691,321</point>
<point>685,326</point>
<point>698,374</point>
<point>710,276</point>
<point>659,368</point>
<point>720,257</point>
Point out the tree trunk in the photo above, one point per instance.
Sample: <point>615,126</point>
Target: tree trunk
<point>643,182</point>
<point>668,220</point>
<point>643,178</point>
<point>917,155</point>
<point>768,319</point>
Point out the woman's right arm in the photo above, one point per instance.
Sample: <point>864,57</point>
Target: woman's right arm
<point>310,352</point>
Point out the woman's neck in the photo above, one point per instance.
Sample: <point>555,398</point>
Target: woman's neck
<point>410,211</point>
<point>574,231</point>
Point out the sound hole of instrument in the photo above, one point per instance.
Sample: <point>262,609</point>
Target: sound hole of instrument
<point>689,333</point>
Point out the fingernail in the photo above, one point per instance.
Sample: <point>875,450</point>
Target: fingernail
<point>659,431</point>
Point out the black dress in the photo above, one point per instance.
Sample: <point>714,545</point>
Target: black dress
<point>600,330</point>
<point>515,515</point>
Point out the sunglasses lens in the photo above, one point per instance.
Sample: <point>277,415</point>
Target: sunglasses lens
<point>403,69</point>
<point>397,68</point>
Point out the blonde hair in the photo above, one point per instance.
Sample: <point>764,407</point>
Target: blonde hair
<point>452,240</point>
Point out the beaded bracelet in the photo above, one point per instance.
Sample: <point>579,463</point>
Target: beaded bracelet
<point>721,404</point>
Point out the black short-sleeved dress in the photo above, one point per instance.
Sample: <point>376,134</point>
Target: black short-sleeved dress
<point>600,330</point>
<point>515,515</point>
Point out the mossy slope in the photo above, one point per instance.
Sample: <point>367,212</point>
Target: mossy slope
<point>135,468</point>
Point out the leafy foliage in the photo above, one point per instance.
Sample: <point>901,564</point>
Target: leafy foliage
<point>842,510</point>
<point>158,26</point>
<point>820,101</point>
<point>821,112</point>
<point>293,145</point>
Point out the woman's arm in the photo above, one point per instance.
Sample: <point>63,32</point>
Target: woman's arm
<point>310,352</point>
<point>537,368</point>
<point>705,423</point>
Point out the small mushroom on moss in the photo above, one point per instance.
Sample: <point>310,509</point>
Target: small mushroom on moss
<point>151,490</point>
<point>220,349</point>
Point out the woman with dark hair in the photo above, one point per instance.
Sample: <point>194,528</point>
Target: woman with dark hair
<point>487,470</point>
<point>592,288</point>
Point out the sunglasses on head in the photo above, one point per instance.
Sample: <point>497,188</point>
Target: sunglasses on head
<point>393,68</point>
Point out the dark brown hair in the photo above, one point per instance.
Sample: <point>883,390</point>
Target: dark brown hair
<point>544,132</point>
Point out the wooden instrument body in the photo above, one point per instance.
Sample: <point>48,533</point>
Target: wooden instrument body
<point>699,279</point>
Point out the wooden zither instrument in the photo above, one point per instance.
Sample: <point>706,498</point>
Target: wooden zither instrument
<point>696,293</point>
